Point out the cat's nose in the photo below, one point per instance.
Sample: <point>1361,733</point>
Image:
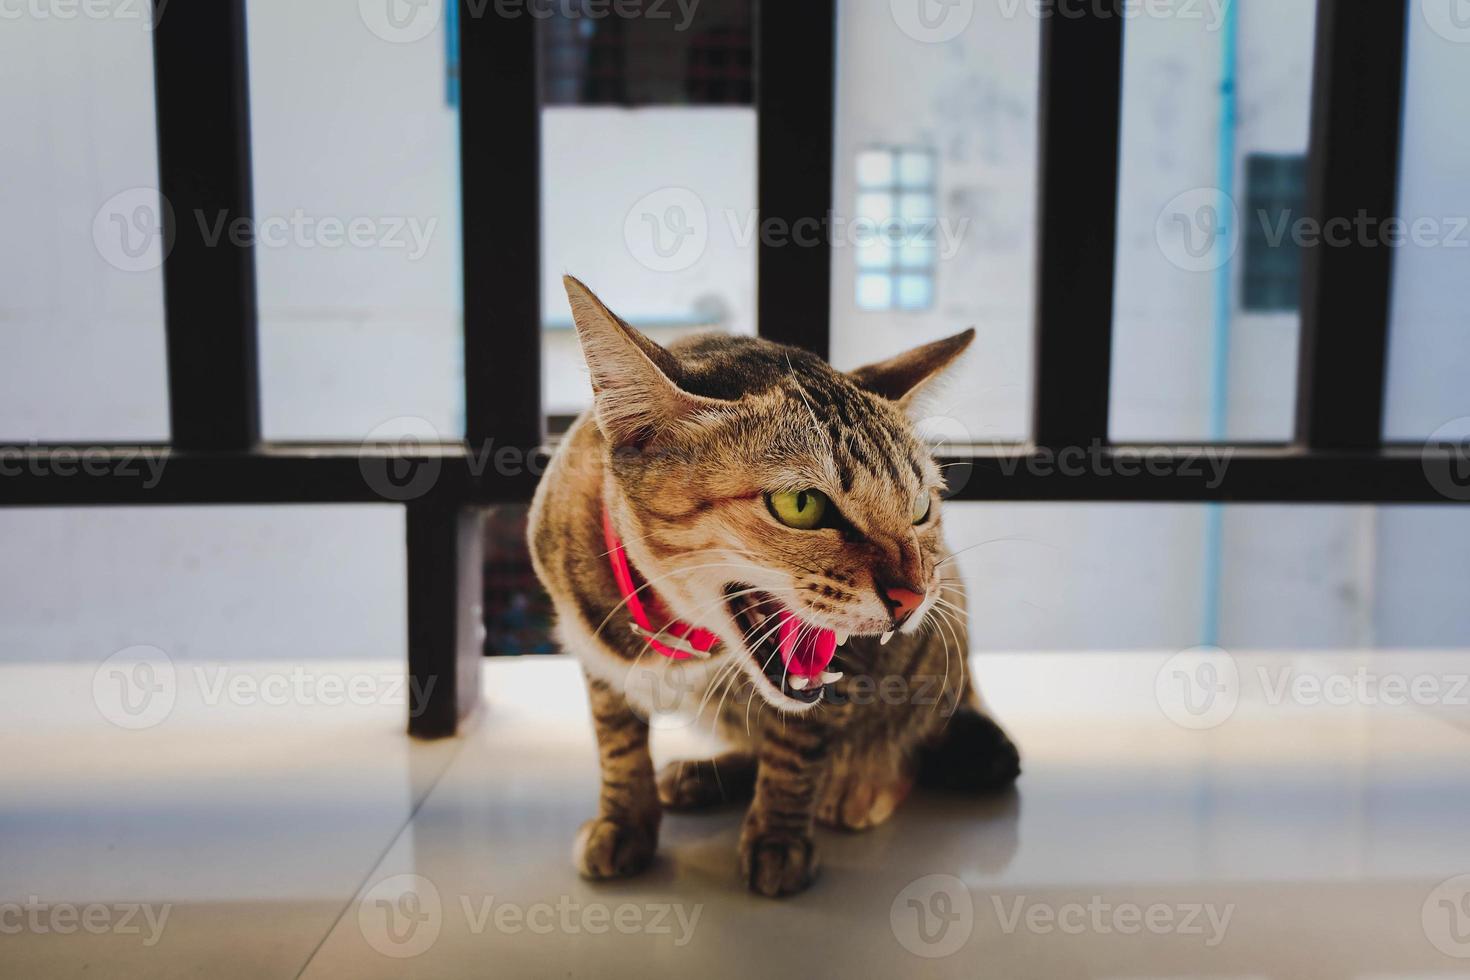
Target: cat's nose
<point>901,602</point>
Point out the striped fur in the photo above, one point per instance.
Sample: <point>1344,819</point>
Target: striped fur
<point>681,448</point>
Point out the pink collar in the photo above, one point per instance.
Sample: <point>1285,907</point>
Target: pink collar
<point>675,639</point>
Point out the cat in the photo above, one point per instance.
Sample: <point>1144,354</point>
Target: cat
<point>789,517</point>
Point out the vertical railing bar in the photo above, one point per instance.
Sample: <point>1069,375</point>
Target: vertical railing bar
<point>796,52</point>
<point>1080,111</point>
<point>1353,167</point>
<point>202,101</point>
<point>500,180</point>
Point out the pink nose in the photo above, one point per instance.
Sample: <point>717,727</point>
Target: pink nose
<point>902,603</point>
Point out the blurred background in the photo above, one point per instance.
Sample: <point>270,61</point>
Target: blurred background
<point>649,176</point>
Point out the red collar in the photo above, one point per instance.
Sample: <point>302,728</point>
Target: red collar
<point>675,639</point>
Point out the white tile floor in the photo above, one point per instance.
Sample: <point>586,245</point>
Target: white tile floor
<point>1307,834</point>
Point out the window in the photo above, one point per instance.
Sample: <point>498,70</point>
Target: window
<point>894,228</point>
<point>662,56</point>
<point>1271,279</point>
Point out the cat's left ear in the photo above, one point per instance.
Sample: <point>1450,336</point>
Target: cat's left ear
<point>901,378</point>
<point>635,392</point>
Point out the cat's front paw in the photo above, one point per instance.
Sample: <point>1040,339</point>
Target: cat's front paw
<point>607,848</point>
<point>775,864</point>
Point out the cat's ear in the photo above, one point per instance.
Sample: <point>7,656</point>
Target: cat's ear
<point>901,378</point>
<point>633,387</point>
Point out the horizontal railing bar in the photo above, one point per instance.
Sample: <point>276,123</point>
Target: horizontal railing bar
<point>59,476</point>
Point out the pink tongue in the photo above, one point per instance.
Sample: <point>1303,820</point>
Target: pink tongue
<point>805,649</point>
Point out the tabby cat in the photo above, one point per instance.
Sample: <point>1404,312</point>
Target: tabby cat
<point>762,534</point>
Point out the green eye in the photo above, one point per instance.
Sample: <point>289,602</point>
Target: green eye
<point>921,508</point>
<point>801,509</point>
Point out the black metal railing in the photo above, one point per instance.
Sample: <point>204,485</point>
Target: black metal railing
<point>217,455</point>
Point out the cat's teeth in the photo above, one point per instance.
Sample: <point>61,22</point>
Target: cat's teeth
<point>831,676</point>
<point>798,683</point>
<point>885,638</point>
<point>842,636</point>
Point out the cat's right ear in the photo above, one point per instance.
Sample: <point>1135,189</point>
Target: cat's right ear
<point>634,391</point>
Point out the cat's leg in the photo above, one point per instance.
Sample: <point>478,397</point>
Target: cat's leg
<point>622,838</point>
<point>693,784</point>
<point>777,853</point>
<point>971,754</point>
<point>863,793</point>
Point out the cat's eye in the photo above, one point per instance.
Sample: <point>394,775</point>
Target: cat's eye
<point>921,507</point>
<point>801,509</point>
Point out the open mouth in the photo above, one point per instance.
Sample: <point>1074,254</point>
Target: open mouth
<point>794,655</point>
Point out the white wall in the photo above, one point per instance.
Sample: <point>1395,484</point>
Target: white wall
<point>973,100</point>
<point>203,583</point>
<point>610,179</point>
<point>1429,357</point>
<point>81,340</point>
<point>348,125</point>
